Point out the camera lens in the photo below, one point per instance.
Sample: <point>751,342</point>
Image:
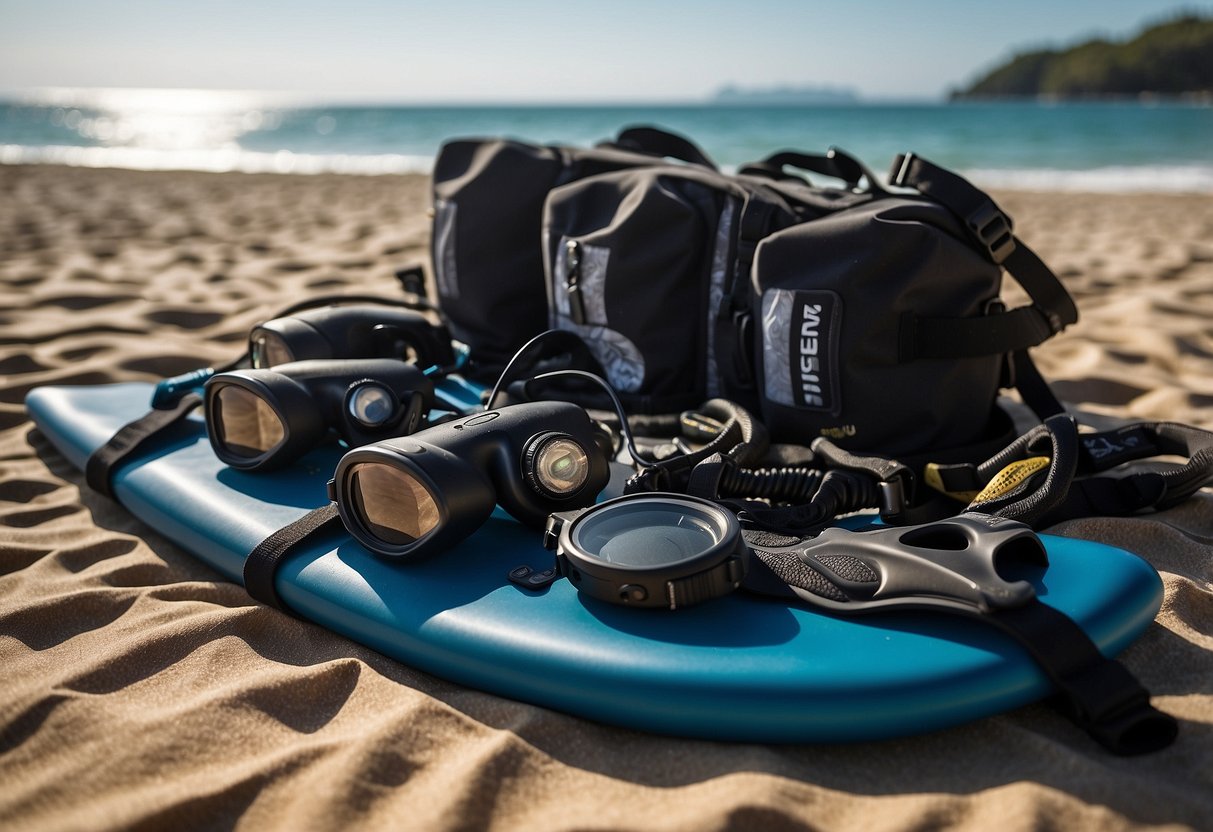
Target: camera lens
<point>555,464</point>
<point>247,426</point>
<point>371,404</point>
<point>649,533</point>
<point>268,349</point>
<point>392,504</point>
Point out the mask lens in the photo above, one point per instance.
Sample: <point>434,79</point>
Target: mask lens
<point>371,405</point>
<point>268,349</point>
<point>247,425</point>
<point>560,466</point>
<point>647,535</point>
<point>393,505</point>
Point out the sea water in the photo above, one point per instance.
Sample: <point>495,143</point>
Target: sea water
<point>1101,146</point>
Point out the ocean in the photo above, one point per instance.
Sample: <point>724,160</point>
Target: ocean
<point>1097,146</point>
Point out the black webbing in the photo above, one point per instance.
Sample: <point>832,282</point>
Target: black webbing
<point>131,439</point>
<point>1093,491</point>
<point>262,563</point>
<point>991,334</point>
<point>657,142</point>
<point>1052,307</point>
<point>1032,387</point>
<point>837,166</point>
<point>1098,693</point>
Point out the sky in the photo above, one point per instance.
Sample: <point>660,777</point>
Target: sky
<point>540,50</point>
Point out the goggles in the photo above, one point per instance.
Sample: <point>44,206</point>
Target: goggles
<point>354,331</point>
<point>261,419</point>
<point>412,496</point>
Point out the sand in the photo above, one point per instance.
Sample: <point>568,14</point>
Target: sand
<point>140,690</point>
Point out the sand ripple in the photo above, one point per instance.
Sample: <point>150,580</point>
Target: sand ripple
<point>139,689</point>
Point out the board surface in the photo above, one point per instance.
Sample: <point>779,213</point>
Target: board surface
<point>738,668</point>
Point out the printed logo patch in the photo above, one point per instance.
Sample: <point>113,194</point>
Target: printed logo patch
<point>813,349</point>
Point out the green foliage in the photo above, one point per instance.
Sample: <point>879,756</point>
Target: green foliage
<point>1169,59</point>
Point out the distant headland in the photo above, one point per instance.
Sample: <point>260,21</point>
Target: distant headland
<point>786,94</point>
<point>1171,59</point>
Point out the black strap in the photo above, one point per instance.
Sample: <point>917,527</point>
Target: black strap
<point>1097,693</point>
<point>1052,307</point>
<point>1032,387</point>
<point>131,439</point>
<point>898,568</point>
<point>657,142</point>
<point>1097,488</point>
<point>835,163</point>
<point>262,564</point>
<point>1029,498</point>
<point>740,438</point>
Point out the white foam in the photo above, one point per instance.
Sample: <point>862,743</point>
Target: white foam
<point>1112,179</point>
<point>216,161</point>
<point>1197,178</point>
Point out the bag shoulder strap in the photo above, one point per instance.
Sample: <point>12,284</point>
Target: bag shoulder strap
<point>653,141</point>
<point>1052,308</point>
<point>834,163</point>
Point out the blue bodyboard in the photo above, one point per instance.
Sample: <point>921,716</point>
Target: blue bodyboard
<point>738,668</point>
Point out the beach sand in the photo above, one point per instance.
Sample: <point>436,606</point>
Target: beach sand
<point>140,690</point>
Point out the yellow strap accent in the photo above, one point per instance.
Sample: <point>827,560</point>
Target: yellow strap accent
<point>1011,476</point>
<point>930,475</point>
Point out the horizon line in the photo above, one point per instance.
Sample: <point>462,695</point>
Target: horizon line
<point>281,97</point>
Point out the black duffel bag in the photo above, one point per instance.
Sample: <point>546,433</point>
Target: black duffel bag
<point>868,316</point>
<point>488,211</point>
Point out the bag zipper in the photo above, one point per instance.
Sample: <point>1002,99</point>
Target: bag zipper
<point>572,281</point>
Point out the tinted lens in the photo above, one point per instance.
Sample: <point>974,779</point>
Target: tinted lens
<point>371,405</point>
<point>246,425</point>
<point>268,349</point>
<point>561,466</point>
<point>648,535</point>
<point>392,504</point>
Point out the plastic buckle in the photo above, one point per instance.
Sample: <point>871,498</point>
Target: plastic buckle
<point>893,501</point>
<point>993,230</point>
<point>898,179</point>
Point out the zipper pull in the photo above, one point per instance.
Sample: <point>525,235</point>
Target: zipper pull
<point>572,280</point>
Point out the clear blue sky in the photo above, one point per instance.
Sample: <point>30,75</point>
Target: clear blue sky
<point>539,50</point>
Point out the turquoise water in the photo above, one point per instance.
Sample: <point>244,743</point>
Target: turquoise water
<point>1088,146</point>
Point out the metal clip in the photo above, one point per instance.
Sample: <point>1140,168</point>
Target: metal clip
<point>572,278</point>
